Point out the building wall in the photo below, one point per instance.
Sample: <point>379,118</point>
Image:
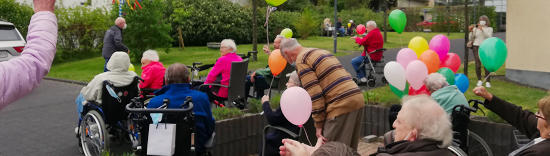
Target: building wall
<point>528,42</point>
<point>415,3</point>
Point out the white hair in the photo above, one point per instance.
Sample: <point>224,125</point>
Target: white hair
<point>288,44</point>
<point>435,81</point>
<point>431,121</point>
<point>119,20</point>
<point>230,44</point>
<point>151,55</point>
<point>279,36</point>
<point>294,78</point>
<point>371,23</point>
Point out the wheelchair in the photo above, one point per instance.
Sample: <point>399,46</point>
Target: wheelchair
<point>372,68</point>
<point>122,117</point>
<point>470,142</point>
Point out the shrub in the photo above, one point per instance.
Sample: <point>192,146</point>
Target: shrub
<point>148,28</point>
<point>81,32</point>
<point>221,113</point>
<point>307,25</point>
<point>361,16</point>
<point>18,14</point>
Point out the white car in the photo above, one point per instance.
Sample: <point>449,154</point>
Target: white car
<point>11,41</point>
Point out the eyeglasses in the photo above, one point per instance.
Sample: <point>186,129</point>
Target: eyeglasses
<point>539,115</point>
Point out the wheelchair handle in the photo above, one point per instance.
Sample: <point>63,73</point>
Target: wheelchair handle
<point>169,110</point>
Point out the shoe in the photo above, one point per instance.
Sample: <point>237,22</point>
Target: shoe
<point>488,84</point>
<point>363,80</point>
<point>479,83</point>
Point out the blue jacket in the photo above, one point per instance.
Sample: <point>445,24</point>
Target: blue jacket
<point>177,93</point>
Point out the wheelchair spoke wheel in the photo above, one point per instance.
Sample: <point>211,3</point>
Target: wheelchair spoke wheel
<point>94,137</point>
<point>477,146</point>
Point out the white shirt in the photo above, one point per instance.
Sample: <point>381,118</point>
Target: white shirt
<point>479,35</point>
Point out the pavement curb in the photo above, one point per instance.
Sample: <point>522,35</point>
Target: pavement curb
<point>66,81</point>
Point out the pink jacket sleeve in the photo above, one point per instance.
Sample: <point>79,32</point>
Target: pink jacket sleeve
<point>22,74</point>
<point>216,70</point>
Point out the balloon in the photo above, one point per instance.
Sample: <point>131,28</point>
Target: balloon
<point>276,62</point>
<point>452,61</point>
<point>441,45</point>
<point>398,20</point>
<point>419,45</point>
<point>131,68</point>
<point>398,92</point>
<point>275,3</point>
<point>405,56</point>
<point>296,105</point>
<point>462,82</point>
<point>415,73</point>
<point>349,25</point>
<point>430,58</point>
<point>361,29</point>
<point>287,33</point>
<point>493,53</point>
<point>448,74</point>
<point>422,90</point>
<point>395,74</point>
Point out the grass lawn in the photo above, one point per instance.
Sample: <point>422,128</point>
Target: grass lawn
<point>524,96</point>
<point>85,70</point>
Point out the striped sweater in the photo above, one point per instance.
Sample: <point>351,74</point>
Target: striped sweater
<point>330,86</point>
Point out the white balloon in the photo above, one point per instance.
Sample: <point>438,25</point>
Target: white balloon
<point>395,74</point>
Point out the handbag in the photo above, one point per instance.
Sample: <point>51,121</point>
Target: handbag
<point>162,139</point>
<point>470,44</point>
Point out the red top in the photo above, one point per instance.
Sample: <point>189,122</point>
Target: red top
<point>153,75</point>
<point>372,42</point>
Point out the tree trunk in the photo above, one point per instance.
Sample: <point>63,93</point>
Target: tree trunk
<point>180,37</point>
<point>466,32</point>
<point>254,25</point>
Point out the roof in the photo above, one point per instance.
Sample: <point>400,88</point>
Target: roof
<point>5,23</point>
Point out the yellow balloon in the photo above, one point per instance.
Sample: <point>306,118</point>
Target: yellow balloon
<point>418,45</point>
<point>132,68</point>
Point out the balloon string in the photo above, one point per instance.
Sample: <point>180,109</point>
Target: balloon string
<point>270,84</point>
<point>307,136</point>
<point>488,75</point>
<point>267,24</point>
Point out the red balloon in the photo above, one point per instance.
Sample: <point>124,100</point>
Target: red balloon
<point>422,90</point>
<point>452,62</point>
<point>360,29</point>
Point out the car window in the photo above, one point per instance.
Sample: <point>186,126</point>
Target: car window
<point>9,33</point>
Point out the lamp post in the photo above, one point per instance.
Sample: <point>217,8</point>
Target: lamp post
<point>448,19</point>
<point>334,35</point>
<point>466,32</point>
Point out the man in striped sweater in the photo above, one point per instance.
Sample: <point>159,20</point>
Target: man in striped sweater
<point>337,100</point>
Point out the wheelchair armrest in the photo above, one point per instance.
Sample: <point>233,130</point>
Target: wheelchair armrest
<point>210,143</point>
<point>292,134</point>
<point>215,84</point>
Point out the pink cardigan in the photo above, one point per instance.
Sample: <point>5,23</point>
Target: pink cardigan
<point>223,67</point>
<point>20,75</point>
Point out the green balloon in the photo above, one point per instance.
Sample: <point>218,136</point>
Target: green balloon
<point>275,3</point>
<point>398,92</point>
<point>287,33</point>
<point>448,74</point>
<point>398,20</point>
<point>493,53</point>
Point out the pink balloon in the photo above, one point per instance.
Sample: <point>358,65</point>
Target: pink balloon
<point>441,45</point>
<point>360,29</point>
<point>405,56</point>
<point>296,105</point>
<point>416,72</point>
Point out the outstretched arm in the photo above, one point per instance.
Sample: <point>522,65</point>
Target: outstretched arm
<point>22,74</point>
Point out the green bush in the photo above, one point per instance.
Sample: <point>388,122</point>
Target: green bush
<point>307,25</point>
<point>148,28</point>
<point>81,32</point>
<point>221,113</point>
<point>361,16</point>
<point>18,14</point>
<point>441,16</point>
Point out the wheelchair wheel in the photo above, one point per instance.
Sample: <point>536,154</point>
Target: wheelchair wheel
<point>477,146</point>
<point>94,137</point>
<point>457,151</point>
<point>371,81</point>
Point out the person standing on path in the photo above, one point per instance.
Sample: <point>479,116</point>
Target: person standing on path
<point>337,102</point>
<point>20,75</point>
<point>477,35</point>
<point>112,41</point>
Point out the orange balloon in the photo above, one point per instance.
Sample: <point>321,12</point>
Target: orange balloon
<point>431,59</point>
<point>276,62</point>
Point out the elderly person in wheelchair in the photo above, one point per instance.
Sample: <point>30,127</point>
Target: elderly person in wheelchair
<point>448,96</point>
<point>535,125</point>
<point>153,72</point>
<point>221,72</point>
<point>176,91</point>
<point>373,44</point>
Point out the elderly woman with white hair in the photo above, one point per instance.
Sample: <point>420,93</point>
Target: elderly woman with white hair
<point>422,128</point>
<point>152,71</point>
<point>221,70</point>
<point>448,96</point>
<point>371,42</point>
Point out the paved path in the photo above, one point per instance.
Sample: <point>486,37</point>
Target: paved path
<point>42,123</point>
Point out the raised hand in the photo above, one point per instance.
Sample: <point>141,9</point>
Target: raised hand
<point>44,5</point>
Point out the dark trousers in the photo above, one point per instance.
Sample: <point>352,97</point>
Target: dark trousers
<point>209,91</point>
<point>260,85</point>
<point>478,64</point>
<point>105,66</point>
